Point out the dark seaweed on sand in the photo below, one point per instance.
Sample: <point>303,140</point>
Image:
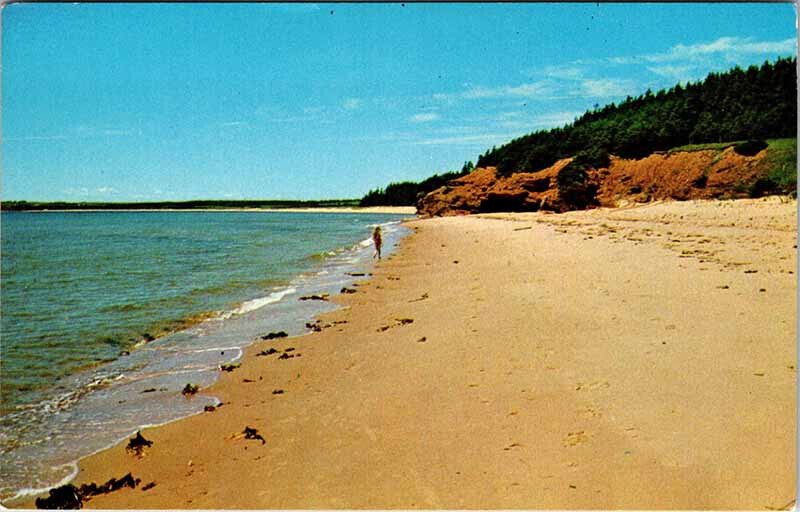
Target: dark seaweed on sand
<point>251,433</point>
<point>137,444</point>
<point>71,497</point>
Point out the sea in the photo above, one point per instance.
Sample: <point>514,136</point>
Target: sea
<point>106,316</point>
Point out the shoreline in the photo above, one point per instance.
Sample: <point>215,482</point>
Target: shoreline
<point>466,373</point>
<point>339,261</point>
<point>400,210</point>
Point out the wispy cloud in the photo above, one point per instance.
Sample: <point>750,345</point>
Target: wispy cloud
<point>352,104</point>
<point>519,120</point>
<point>38,137</point>
<point>570,71</point>
<point>77,191</point>
<point>485,138</point>
<point>273,114</point>
<point>680,62</point>
<point>676,73</point>
<point>555,118</point>
<point>79,132</point>
<point>607,87</point>
<point>424,117</point>
<point>533,90</point>
<point>558,83</point>
<point>729,47</point>
<point>106,190</point>
<point>526,90</point>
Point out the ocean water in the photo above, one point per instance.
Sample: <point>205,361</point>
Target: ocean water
<point>105,316</point>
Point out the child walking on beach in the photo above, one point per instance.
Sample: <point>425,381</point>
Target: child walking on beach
<point>376,239</point>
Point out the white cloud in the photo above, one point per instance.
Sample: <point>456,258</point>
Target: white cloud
<point>487,138</point>
<point>606,87</point>
<point>676,73</point>
<point>106,190</point>
<point>37,137</point>
<point>81,131</point>
<point>525,121</point>
<point>568,72</point>
<point>730,47</point>
<point>528,90</point>
<point>533,90</point>
<point>352,104</point>
<point>555,119</point>
<point>77,191</point>
<point>425,117</point>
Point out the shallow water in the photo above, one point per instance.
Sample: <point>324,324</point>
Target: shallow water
<point>82,292</point>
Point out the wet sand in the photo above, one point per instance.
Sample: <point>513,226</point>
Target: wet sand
<point>641,357</point>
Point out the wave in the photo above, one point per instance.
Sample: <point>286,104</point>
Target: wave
<point>192,348</point>
<point>30,491</point>
<point>252,305</point>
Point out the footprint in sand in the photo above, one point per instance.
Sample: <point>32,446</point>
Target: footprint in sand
<point>575,438</point>
<point>591,412</point>
<point>397,322</point>
<point>591,386</point>
<point>632,431</point>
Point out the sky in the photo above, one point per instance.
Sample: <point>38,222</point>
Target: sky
<point>134,102</point>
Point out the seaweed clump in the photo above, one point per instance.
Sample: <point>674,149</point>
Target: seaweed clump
<point>190,389</point>
<point>137,444</point>
<point>251,433</point>
<point>71,497</point>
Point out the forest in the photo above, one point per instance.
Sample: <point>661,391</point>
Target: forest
<point>406,193</point>
<point>752,104</point>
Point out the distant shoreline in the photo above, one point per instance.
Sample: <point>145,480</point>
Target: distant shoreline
<point>400,210</point>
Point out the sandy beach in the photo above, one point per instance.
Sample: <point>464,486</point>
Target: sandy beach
<point>641,357</point>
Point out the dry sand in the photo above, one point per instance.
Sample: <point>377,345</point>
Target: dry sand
<point>630,358</point>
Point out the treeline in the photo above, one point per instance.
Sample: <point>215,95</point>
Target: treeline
<point>406,193</point>
<point>756,103</point>
<point>176,205</point>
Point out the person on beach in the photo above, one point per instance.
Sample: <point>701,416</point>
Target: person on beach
<point>376,239</point>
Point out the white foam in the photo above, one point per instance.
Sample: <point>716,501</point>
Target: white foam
<point>252,305</point>
<point>216,349</point>
<point>27,491</point>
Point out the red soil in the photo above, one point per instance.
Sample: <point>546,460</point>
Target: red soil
<point>702,174</point>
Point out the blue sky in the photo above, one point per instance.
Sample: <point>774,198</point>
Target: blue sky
<point>118,102</point>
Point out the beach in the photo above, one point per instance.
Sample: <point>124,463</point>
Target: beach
<point>641,357</point>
